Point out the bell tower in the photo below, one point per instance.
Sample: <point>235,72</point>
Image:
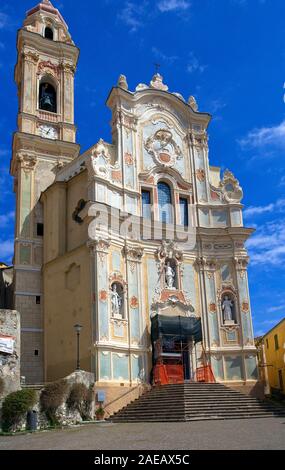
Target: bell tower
<point>44,141</point>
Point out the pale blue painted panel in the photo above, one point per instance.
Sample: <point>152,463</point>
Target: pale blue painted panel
<point>137,367</point>
<point>204,219</point>
<point>189,283</point>
<point>220,218</point>
<point>116,260</point>
<point>213,319</point>
<point>103,319</point>
<point>233,366</point>
<point>135,323</point>
<point>210,290</point>
<point>217,367</point>
<point>152,279</point>
<point>118,330</point>
<point>251,367</point>
<point>214,328</point>
<point>199,159</point>
<point>236,217</point>
<point>103,306</point>
<point>225,272</point>
<point>120,367</point>
<point>105,365</point>
<point>246,326</point>
<point>201,189</point>
<point>242,287</point>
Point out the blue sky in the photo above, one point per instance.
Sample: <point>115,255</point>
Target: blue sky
<point>229,54</point>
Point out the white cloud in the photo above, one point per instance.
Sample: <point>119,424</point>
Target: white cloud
<point>6,250</point>
<point>169,59</point>
<point>275,207</point>
<point>254,210</point>
<point>3,20</point>
<point>271,322</point>
<point>265,136</point>
<point>131,14</point>
<point>6,219</point>
<point>276,309</point>
<point>194,65</point>
<point>267,246</point>
<point>173,5</point>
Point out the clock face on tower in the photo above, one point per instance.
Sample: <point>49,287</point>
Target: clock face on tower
<point>48,132</point>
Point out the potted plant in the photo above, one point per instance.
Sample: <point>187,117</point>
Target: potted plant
<point>100,412</point>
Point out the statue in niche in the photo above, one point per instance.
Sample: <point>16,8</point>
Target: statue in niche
<point>116,301</point>
<point>169,276</point>
<point>227,306</point>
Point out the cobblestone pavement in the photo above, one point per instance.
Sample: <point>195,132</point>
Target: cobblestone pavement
<point>261,433</point>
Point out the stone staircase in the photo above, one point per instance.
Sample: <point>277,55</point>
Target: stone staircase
<point>194,402</point>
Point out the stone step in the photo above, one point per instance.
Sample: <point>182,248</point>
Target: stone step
<point>192,402</point>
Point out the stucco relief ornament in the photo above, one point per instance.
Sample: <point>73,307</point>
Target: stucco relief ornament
<point>122,82</point>
<point>157,83</point>
<point>193,103</point>
<point>163,148</point>
<point>168,250</point>
<point>232,192</point>
<point>99,163</point>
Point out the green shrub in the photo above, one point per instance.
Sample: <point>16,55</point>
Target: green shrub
<point>15,406</point>
<point>52,397</point>
<point>2,386</point>
<point>80,398</point>
<point>100,412</point>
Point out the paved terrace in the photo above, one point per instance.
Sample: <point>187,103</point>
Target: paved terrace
<point>254,434</point>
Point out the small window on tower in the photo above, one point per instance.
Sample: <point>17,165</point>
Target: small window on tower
<point>40,230</point>
<point>49,33</point>
<point>36,352</point>
<point>38,299</point>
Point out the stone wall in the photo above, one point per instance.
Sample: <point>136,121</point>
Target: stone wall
<point>117,397</point>
<point>64,415</point>
<point>10,363</point>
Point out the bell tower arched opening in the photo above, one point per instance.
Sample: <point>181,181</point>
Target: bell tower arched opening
<point>47,97</point>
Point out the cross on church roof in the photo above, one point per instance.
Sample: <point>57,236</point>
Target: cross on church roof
<point>157,67</point>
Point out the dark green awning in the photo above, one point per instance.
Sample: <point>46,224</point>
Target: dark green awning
<point>183,328</point>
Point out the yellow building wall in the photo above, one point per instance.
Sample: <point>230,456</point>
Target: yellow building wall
<point>67,301</point>
<point>275,358</point>
<point>76,190</point>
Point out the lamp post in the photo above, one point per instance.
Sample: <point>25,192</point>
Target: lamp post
<point>78,328</point>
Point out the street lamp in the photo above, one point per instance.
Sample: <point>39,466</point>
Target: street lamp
<point>78,328</point>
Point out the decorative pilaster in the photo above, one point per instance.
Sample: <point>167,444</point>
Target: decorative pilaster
<point>133,255</point>
<point>244,303</point>
<point>207,267</point>
<point>99,249</point>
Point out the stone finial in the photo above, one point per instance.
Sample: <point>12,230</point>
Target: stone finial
<point>193,103</point>
<point>122,82</point>
<point>157,83</point>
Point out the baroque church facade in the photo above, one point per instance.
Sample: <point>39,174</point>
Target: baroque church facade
<point>94,240</point>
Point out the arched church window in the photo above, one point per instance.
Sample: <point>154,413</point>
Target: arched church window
<point>49,33</point>
<point>47,97</point>
<point>165,202</point>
